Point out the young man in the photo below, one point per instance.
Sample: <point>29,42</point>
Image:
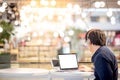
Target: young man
<point>104,61</point>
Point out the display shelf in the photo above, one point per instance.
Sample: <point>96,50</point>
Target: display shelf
<point>44,53</point>
<point>37,53</point>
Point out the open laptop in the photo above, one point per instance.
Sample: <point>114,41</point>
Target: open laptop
<point>68,62</point>
<point>55,64</point>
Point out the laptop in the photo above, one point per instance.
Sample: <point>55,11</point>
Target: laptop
<point>68,62</point>
<point>55,64</point>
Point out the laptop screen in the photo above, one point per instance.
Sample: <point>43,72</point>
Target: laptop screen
<point>68,61</point>
<point>55,63</point>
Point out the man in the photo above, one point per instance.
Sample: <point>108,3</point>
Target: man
<point>104,61</point>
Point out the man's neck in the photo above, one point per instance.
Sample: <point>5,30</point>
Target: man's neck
<point>95,48</point>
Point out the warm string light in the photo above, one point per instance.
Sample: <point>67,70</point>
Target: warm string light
<point>75,7</point>
<point>46,2</point>
<point>11,12</point>
<point>3,7</point>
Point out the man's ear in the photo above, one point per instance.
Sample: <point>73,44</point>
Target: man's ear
<point>89,41</point>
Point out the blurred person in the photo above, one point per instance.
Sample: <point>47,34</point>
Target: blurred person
<point>116,40</point>
<point>104,60</point>
<point>81,49</point>
<point>22,43</point>
<point>60,42</point>
<point>6,45</point>
<point>14,42</point>
<point>66,48</point>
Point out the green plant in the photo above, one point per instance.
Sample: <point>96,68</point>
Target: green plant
<point>5,53</point>
<point>7,31</point>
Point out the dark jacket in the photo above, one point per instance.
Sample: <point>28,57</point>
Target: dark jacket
<point>106,67</point>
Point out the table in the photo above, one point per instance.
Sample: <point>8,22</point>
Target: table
<point>24,74</point>
<point>41,74</point>
<point>72,75</point>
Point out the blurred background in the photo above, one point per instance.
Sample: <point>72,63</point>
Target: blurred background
<point>33,32</point>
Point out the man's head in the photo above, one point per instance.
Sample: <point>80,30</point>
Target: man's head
<point>96,37</point>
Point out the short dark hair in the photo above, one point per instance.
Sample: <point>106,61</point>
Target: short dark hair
<point>96,37</point>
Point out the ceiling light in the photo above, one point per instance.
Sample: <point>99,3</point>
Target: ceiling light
<point>97,4</point>
<point>102,3</point>
<point>118,2</point>
<point>77,7</point>
<point>53,2</point>
<point>69,5</point>
<point>44,2</point>
<point>33,3</point>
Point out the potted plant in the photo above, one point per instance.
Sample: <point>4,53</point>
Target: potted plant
<point>5,59</point>
<point>6,30</point>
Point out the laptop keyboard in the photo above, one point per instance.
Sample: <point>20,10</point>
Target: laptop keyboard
<point>67,71</point>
